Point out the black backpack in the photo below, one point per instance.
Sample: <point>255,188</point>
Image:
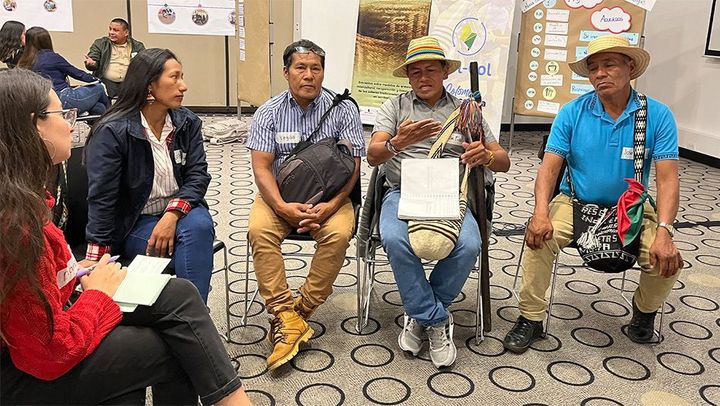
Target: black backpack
<point>315,172</point>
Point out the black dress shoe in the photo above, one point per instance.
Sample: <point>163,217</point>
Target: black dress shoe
<point>522,335</point>
<point>642,326</point>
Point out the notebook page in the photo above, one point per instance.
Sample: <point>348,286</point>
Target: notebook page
<point>430,189</point>
<point>146,264</point>
<point>140,288</point>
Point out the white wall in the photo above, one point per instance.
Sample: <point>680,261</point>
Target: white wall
<point>680,76</point>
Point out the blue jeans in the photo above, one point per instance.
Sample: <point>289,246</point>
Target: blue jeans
<point>426,300</point>
<point>193,253</point>
<point>91,99</point>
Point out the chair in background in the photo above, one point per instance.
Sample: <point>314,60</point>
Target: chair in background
<point>369,242</point>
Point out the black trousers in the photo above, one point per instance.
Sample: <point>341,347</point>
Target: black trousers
<point>113,88</point>
<point>172,346</point>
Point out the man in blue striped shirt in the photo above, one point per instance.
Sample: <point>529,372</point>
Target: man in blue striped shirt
<point>278,126</point>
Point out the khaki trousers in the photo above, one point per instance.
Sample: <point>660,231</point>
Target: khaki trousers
<point>537,264</point>
<point>266,232</point>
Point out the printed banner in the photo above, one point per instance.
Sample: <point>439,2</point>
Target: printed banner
<point>53,15</point>
<point>478,30</point>
<point>211,17</point>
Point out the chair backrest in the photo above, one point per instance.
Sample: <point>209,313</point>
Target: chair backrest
<point>77,185</point>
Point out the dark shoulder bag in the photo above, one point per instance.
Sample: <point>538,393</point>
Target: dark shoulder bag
<point>595,227</point>
<point>315,172</point>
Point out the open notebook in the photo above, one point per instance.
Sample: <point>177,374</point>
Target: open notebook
<point>430,189</point>
<point>143,283</point>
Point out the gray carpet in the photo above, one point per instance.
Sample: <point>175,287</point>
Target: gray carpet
<point>585,360</point>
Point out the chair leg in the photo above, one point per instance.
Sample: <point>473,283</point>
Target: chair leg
<point>246,306</point>
<point>360,286</point>
<point>553,278</point>
<point>515,289</point>
<point>479,311</point>
<point>227,294</point>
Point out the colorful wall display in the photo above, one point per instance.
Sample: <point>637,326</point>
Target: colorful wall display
<point>469,31</point>
<point>53,15</point>
<point>555,32</point>
<point>192,17</point>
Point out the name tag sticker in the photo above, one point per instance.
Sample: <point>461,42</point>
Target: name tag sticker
<point>627,153</point>
<point>456,139</point>
<point>180,156</point>
<point>67,274</point>
<point>287,137</point>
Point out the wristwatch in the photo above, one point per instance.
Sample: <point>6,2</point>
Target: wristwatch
<point>390,147</point>
<point>670,229</point>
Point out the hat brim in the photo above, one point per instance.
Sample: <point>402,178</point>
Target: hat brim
<point>401,71</point>
<point>639,55</point>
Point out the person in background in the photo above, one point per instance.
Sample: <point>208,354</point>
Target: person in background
<point>147,174</point>
<point>278,126</point>
<point>40,57</point>
<point>87,352</point>
<point>407,126</point>
<point>109,57</point>
<point>12,42</point>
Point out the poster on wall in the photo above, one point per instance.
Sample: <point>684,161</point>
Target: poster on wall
<point>192,17</point>
<point>555,32</point>
<point>469,31</point>
<point>53,15</point>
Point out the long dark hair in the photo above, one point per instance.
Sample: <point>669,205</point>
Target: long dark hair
<point>36,39</point>
<point>10,35</point>
<point>145,68</point>
<point>24,166</point>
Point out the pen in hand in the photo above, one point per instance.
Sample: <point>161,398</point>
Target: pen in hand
<point>84,271</point>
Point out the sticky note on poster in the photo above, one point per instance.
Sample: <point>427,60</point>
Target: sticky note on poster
<point>587,36</point>
<point>528,4</point>
<point>558,15</point>
<point>556,28</point>
<point>556,41</point>
<point>551,80</point>
<point>556,55</point>
<point>580,88</point>
<point>646,4</point>
<point>616,20</point>
<point>581,52</point>
<point>548,107</point>
<point>575,76</point>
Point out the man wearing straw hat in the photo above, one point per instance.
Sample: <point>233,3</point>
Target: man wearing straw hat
<point>406,126</point>
<point>594,134</point>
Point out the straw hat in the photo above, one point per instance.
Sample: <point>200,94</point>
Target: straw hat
<point>424,49</point>
<point>613,43</point>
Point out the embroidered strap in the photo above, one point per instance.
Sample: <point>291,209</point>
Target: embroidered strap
<point>438,147</point>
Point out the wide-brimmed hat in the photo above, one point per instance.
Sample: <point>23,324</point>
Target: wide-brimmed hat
<point>613,43</point>
<point>424,49</point>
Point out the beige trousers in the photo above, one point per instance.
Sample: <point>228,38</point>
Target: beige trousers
<point>266,232</point>
<point>537,264</point>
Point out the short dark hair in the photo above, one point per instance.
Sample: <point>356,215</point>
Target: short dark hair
<point>303,43</point>
<point>122,22</point>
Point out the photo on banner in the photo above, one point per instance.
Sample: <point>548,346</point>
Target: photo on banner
<point>384,29</point>
<point>211,17</point>
<point>53,15</point>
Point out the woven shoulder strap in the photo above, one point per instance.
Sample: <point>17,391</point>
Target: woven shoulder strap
<point>439,146</point>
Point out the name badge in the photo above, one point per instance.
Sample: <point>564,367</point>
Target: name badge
<point>287,137</point>
<point>456,138</point>
<point>627,153</point>
<point>66,275</point>
<point>180,156</point>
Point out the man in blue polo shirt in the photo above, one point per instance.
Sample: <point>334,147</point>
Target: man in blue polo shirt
<point>594,135</point>
<point>278,126</point>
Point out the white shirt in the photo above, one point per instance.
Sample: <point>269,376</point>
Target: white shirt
<point>164,185</point>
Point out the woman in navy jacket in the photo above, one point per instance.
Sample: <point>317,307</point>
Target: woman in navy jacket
<point>40,57</point>
<point>147,173</point>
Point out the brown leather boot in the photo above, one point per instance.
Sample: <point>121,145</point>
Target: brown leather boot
<point>289,330</point>
<point>303,308</point>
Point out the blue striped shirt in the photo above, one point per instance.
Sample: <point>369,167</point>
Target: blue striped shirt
<point>280,122</point>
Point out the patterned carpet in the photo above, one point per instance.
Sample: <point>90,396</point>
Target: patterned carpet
<point>585,360</point>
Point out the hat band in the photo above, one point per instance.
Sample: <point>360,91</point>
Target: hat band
<point>419,52</point>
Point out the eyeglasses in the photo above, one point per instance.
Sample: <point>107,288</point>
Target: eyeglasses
<point>69,115</point>
<point>305,50</point>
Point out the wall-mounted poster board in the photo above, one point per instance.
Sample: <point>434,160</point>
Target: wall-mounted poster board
<point>53,15</point>
<point>712,46</point>
<point>253,67</point>
<point>555,32</point>
<point>209,17</point>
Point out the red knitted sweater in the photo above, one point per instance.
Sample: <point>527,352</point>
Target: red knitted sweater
<point>77,331</point>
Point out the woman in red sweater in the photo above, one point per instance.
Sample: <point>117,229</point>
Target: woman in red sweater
<point>87,352</point>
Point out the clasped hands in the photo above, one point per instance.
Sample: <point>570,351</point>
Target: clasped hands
<point>306,217</point>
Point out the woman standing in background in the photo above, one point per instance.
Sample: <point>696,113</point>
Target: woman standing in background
<point>12,41</point>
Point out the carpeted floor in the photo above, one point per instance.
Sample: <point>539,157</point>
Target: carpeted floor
<point>585,360</point>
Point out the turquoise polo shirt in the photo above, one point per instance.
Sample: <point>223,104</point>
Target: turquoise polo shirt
<point>598,149</point>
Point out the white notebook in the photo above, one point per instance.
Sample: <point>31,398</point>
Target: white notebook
<point>143,283</point>
<point>430,189</point>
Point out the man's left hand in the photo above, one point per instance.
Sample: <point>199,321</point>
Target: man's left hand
<point>323,212</point>
<point>475,154</point>
<point>162,239</point>
<point>664,255</point>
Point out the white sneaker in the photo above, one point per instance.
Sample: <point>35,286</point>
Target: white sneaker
<point>410,338</point>
<point>442,348</point>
